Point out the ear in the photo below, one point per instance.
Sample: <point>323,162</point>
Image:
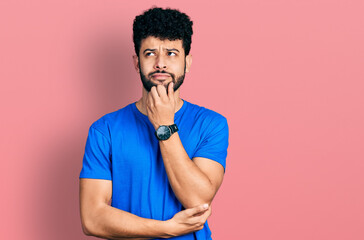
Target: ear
<point>188,62</point>
<point>136,63</point>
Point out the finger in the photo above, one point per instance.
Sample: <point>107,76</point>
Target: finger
<point>162,92</point>
<point>208,213</point>
<point>149,101</point>
<point>203,218</point>
<point>170,90</point>
<point>193,211</point>
<point>154,94</point>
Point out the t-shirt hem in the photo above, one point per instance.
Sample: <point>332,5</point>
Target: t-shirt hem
<point>95,177</point>
<point>211,158</point>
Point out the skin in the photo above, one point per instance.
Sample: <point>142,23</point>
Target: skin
<point>194,181</point>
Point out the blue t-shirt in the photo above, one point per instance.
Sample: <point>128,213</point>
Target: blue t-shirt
<point>122,147</point>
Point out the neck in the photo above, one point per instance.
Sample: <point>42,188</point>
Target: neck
<point>142,107</point>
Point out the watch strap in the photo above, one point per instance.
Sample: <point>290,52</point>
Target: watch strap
<point>173,128</point>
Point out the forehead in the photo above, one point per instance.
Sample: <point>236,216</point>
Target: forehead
<point>156,43</point>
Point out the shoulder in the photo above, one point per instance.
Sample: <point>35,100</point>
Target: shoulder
<point>206,116</point>
<point>104,123</point>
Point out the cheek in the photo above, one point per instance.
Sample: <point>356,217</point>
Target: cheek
<point>144,68</point>
<point>179,67</point>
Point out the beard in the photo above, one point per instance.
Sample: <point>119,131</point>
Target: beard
<point>148,84</point>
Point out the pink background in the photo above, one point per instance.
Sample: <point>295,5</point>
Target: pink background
<point>288,75</point>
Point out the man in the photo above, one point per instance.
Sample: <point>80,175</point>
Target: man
<point>159,161</point>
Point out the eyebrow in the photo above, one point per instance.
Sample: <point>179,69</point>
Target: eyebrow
<point>172,49</point>
<point>154,49</point>
<point>148,49</point>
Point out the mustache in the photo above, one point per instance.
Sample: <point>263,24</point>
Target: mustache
<point>158,71</point>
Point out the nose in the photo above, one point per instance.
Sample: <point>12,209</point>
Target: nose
<point>160,63</point>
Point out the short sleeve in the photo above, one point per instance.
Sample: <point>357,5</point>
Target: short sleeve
<point>97,158</point>
<point>215,143</point>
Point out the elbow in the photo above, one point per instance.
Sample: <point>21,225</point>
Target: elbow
<point>93,227</point>
<point>203,200</point>
<point>90,221</point>
<point>91,230</point>
<point>207,196</point>
<point>200,201</point>
<point>89,227</point>
<point>86,230</point>
<point>195,203</point>
<point>202,197</point>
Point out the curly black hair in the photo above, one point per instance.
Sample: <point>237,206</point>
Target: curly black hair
<point>161,23</point>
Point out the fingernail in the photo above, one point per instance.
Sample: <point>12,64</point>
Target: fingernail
<point>205,206</point>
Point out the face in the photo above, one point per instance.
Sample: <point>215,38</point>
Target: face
<point>161,62</point>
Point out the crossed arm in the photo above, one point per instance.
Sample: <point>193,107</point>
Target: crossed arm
<point>194,182</point>
<point>102,220</point>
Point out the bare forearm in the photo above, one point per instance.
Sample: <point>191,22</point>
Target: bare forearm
<point>190,185</point>
<point>112,223</point>
<point>130,238</point>
<point>126,238</point>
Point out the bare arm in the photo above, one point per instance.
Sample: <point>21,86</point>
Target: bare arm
<point>101,220</point>
<point>193,182</point>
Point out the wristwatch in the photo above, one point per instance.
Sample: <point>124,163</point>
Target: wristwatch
<point>164,132</point>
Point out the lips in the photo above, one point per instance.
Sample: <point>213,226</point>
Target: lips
<point>160,76</point>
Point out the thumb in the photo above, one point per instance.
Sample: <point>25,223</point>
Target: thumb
<point>198,209</point>
<point>170,90</point>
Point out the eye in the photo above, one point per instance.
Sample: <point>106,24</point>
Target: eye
<point>172,54</point>
<point>150,54</point>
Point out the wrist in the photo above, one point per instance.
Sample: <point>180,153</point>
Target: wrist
<point>164,132</point>
<point>166,123</point>
<point>169,229</point>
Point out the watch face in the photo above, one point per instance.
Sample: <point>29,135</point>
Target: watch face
<point>163,132</point>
